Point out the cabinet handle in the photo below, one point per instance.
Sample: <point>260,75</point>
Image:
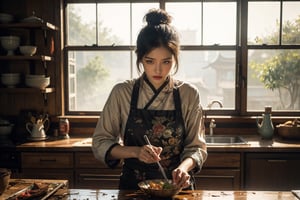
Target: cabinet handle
<point>277,161</point>
<point>47,160</point>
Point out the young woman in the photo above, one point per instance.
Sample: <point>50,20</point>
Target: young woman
<point>168,111</point>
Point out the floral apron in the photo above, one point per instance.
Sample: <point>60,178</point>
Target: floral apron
<point>164,128</point>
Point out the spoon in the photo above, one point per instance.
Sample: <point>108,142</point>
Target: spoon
<point>159,165</point>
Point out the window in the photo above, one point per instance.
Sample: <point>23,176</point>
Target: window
<point>273,55</point>
<point>222,62</point>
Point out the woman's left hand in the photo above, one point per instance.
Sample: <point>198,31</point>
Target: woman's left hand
<point>181,178</point>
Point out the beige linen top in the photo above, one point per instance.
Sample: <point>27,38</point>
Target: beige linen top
<point>111,125</point>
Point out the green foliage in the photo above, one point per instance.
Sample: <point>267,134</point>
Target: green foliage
<point>281,70</point>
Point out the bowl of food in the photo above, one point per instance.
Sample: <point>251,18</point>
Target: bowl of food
<point>10,79</point>
<point>289,129</point>
<point>28,50</point>
<point>159,188</point>
<point>10,43</point>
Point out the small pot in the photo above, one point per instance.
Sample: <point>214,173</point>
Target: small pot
<point>4,179</point>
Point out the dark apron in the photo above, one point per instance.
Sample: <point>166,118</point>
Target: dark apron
<point>164,128</point>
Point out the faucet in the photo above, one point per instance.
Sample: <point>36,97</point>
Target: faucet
<point>213,102</point>
<point>212,123</point>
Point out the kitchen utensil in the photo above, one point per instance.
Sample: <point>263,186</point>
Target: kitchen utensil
<point>39,128</point>
<point>266,128</point>
<point>159,165</point>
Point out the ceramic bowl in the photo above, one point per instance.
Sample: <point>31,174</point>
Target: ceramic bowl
<point>28,50</point>
<point>34,76</point>
<point>10,79</point>
<point>156,188</point>
<point>38,82</point>
<point>5,130</point>
<point>10,43</point>
<point>6,18</point>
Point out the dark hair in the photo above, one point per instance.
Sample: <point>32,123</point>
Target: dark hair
<point>157,33</point>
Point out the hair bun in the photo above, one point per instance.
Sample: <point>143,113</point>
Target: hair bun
<point>157,16</point>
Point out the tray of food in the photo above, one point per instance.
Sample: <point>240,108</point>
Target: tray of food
<point>34,191</point>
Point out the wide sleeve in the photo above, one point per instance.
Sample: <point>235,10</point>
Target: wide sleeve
<point>194,144</point>
<point>107,133</point>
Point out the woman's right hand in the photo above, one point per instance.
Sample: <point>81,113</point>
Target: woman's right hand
<point>149,154</point>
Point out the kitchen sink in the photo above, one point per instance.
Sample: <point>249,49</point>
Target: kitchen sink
<point>224,140</point>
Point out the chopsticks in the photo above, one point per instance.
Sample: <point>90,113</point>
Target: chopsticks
<point>159,165</point>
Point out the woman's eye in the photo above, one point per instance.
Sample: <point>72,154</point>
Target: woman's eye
<point>148,61</point>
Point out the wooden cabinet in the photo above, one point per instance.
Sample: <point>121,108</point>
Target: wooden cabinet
<point>220,171</point>
<point>10,159</point>
<point>272,171</point>
<point>46,165</point>
<point>90,173</point>
<point>39,34</point>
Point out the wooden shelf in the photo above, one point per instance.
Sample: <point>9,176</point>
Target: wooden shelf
<point>32,25</point>
<point>20,57</point>
<point>26,90</point>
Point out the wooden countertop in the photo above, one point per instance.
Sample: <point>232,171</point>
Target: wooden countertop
<point>254,143</point>
<point>81,194</point>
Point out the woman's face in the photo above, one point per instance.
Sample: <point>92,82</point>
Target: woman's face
<point>158,64</point>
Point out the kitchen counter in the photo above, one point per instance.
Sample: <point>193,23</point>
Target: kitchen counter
<point>254,143</point>
<point>63,193</point>
<point>79,194</point>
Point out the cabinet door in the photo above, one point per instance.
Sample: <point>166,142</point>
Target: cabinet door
<point>53,174</point>
<point>90,173</point>
<point>220,171</point>
<point>272,171</point>
<point>46,165</point>
<point>218,179</point>
<point>97,178</point>
<point>46,160</point>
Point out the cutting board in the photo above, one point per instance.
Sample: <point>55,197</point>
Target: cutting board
<point>17,186</point>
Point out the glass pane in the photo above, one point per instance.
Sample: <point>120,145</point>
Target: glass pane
<point>81,24</point>
<point>114,29</point>
<point>291,23</point>
<point>96,73</point>
<point>263,27</point>
<point>274,79</point>
<point>138,12</point>
<point>213,72</point>
<point>219,23</point>
<point>187,20</point>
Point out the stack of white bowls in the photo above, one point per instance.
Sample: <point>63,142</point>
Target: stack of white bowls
<point>37,81</point>
<point>10,80</point>
<point>6,18</point>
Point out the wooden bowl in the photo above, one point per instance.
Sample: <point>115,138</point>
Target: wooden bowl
<point>4,179</point>
<point>289,132</point>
